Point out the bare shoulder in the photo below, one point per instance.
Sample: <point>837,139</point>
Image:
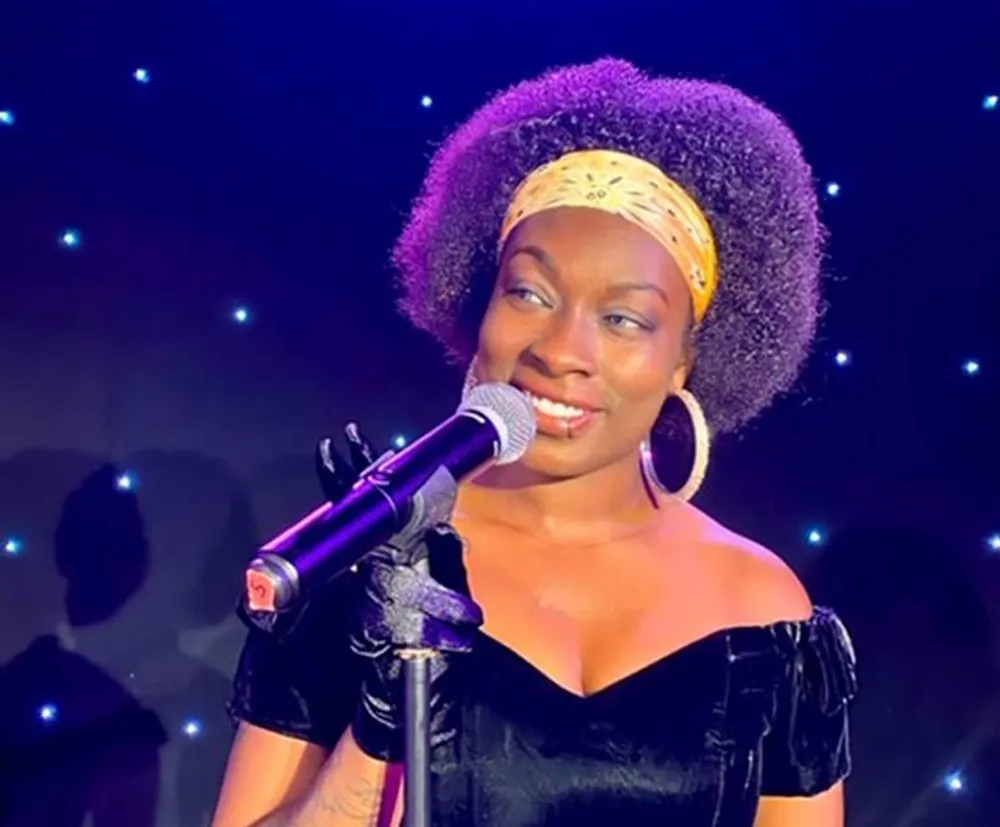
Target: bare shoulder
<point>762,587</point>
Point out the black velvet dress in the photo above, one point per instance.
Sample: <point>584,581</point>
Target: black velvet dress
<point>691,740</point>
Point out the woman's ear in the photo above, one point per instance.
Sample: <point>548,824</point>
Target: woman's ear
<point>679,379</point>
<point>686,362</point>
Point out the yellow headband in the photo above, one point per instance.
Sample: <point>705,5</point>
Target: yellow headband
<point>638,192</point>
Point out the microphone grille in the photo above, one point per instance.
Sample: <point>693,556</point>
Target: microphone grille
<point>505,405</point>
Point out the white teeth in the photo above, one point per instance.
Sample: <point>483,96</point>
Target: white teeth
<point>547,406</point>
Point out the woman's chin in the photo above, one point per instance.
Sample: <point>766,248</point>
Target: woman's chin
<point>558,458</point>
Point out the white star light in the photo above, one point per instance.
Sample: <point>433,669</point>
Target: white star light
<point>70,238</point>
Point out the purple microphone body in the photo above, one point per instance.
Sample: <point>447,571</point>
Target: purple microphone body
<point>400,494</point>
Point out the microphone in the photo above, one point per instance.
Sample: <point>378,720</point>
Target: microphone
<point>399,496</point>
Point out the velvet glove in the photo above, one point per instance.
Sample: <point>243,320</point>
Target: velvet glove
<point>412,593</point>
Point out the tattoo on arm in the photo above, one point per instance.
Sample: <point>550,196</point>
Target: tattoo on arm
<point>357,801</point>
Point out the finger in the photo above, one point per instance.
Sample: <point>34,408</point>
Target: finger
<point>443,637</point>
<point>409,588</point>
<point>362,453</point>
<point>446,556</point>
<point>400,590</point>
<point>411,628</point>
<point>370,640</point>
<point>336,476</point>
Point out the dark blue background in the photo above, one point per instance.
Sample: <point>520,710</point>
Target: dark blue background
<point>269,162</point>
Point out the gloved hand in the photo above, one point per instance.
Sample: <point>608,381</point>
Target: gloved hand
<point>412,593</point>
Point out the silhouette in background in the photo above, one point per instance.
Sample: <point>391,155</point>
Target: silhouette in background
<point>200,521</point>
<point>75,743</point>
<point>115,701</point>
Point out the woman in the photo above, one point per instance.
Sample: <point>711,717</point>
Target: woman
<point>618,247</point>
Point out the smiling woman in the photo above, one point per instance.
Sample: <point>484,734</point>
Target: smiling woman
<point>588,310</point>
<point>618,247</point>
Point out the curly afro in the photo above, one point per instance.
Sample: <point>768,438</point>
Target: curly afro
<point>736,158</point>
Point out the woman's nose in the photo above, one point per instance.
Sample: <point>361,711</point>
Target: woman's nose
<point>566,345</point>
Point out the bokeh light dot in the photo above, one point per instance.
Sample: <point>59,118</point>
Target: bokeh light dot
<point>70,238</point>
<point>954,782</point>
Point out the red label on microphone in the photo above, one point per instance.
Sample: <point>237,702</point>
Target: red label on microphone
<point>260,592</point>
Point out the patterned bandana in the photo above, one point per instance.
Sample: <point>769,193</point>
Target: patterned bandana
<point>638,192</point>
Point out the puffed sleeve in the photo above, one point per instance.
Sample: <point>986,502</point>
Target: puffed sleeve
<point>807,750</point>
<point>296,674</point>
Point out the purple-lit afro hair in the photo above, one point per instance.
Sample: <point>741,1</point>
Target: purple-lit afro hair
<point>736,158</point>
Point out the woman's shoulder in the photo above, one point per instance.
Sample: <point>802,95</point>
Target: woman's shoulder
<point>771,608</point>
<point>761,588</point>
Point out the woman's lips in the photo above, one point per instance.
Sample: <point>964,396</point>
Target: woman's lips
<point>564,427</point>
<point>563,418</point>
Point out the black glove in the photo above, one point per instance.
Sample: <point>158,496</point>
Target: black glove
<point>412,593</point>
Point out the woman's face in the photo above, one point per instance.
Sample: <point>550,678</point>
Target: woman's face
<point>588,316</point>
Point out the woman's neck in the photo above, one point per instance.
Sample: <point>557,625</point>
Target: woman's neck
<point>606,504</point>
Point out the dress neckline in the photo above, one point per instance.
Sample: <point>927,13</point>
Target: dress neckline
<point>716,636</point>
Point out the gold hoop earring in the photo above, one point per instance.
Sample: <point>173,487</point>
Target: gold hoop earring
<point>683,440</point>
<point>470,380</point>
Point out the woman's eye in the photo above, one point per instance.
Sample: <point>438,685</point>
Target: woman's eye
<point>526,295</point>
<point>622,322</point>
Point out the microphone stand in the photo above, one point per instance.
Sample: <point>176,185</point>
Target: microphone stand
<point>433,505</point>
<point>417,737</point>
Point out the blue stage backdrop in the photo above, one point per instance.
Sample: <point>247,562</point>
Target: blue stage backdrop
<point>196,205</point>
